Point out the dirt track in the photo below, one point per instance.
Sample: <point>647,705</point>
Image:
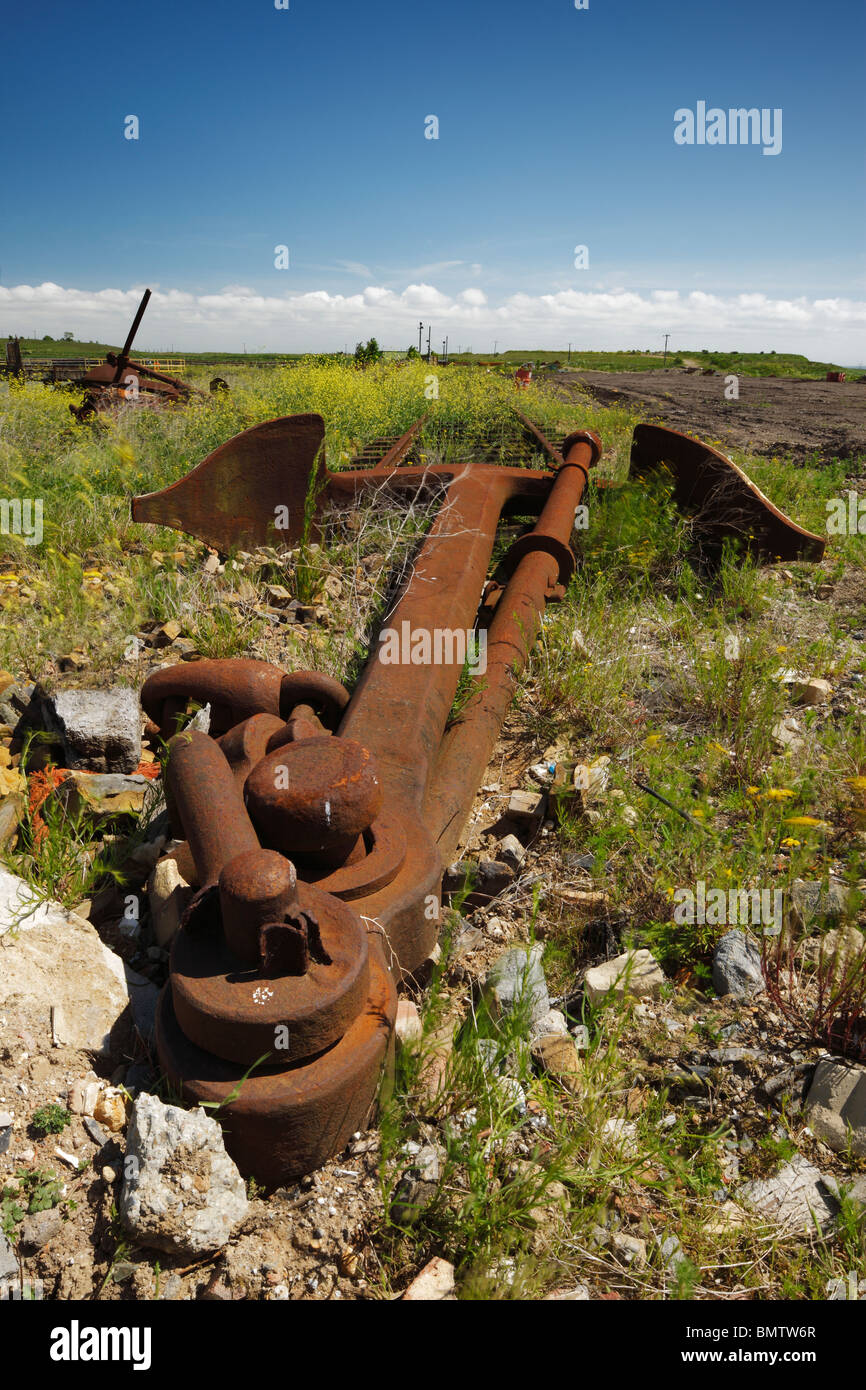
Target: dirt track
<point>773,416</point>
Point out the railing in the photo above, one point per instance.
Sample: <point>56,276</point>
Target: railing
<point>63,365</point>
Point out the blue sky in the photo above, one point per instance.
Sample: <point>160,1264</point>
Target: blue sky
<point>305,127</point>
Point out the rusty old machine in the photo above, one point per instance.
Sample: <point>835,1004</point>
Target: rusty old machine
<point>317,821</point>
<point>121,378</point>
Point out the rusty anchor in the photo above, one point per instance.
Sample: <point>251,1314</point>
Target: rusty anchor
<point>317,824</point>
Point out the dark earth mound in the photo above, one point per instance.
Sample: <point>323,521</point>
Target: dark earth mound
<point>808,421</point>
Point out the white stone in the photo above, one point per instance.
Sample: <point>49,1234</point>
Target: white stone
<point>408,1025</point>
<point>168,895</point>
<point>165,1146</point>
<point>54,967</point>
<point>794,1199</point>
<point>812,691</point>
<point>435,1282</point>
<point>636,973</point>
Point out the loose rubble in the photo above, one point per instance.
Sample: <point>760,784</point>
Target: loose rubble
<point>181,1191</point>
<point>737,966</point>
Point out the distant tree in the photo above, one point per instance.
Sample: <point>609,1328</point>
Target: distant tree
<point>369,352</point>
<point>412,351</point>
<point>48,338</point>
<point>69,337</point>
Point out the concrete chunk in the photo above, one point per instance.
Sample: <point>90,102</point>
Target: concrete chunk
<point>181,1191</point>
<point>100,729</point>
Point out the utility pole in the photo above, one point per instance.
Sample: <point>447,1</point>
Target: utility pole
<point>429,331</point>
<point>665,362</point>
<point>569,352</point>
<point>445,346</point>
<point>420,331</point>
<point>495,345</point>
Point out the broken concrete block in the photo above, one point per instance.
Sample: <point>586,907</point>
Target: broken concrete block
<point>181,1191</point>
<point>100,729</point>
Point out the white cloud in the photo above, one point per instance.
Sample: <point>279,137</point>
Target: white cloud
<point>828,328</point>
<point>356,268</point>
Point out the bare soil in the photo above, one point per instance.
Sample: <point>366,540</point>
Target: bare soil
<point>774,416</point>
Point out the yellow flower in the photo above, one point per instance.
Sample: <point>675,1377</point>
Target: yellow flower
<point>698,812</point>
<point>803,820</point>
<point>652,740</point>
<point>778,793</point>
<point>858,783</point>
<point>790,842</point>
<point>753,791</point>
<point>719,749</point>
